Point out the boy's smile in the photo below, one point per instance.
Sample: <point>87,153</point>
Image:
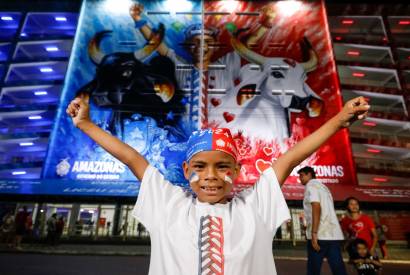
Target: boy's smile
<point>211,168</point>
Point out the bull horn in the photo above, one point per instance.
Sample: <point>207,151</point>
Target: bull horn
<point>153,43</point>
<point>246,53</point>
<point>311,63</point>
<point>94,51</point>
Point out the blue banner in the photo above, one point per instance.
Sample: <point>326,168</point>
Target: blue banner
<point>130,58</point>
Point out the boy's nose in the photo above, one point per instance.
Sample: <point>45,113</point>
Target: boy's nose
<point>211,174</point>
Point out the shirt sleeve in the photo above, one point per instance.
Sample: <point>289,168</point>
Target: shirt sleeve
<point>154,194</point>
<point>269,201</point>
<point>232,60</point>
<point>313,193</point>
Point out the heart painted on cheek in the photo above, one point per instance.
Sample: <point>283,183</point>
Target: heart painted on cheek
<point>215,101</point>
<point>228,116</point>
<point>262,165</point>
<point>268,151</point>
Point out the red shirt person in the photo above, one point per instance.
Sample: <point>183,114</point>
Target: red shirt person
<point>359,226</point>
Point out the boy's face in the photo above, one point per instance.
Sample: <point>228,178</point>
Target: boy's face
<point>361,250</point>
<point>195,48</point>
<point>211,168</point>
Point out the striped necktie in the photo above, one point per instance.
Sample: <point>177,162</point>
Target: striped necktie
<point>211,243</point>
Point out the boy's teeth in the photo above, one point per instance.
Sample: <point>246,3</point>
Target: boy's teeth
<point>211,188</point>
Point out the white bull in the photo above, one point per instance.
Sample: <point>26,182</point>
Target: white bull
<point>258,105</point>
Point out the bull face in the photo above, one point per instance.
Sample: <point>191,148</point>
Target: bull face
<point>261,100</point>
<point>280,77</point>
<point>123,82</point>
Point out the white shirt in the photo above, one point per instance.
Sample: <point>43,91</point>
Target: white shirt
<point>329,227</point>
<point>186,234</point>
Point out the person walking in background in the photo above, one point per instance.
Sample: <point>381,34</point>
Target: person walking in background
<point>358,226</point>
<point>323,231</point>
<point>51,229</point>
<point>381,229</point>
<point>21,223</point>
<point>363,261</point>
<point>7,229</point>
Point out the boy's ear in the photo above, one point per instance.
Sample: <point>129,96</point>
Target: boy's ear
<point>185,167</point>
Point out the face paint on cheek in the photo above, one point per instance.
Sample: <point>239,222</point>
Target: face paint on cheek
<point>193,178</point>
<point>228,178</point>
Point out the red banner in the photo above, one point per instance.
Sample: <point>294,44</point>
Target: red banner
<point>279,85</point>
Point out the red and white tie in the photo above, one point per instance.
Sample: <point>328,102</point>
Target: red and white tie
<point>211,243</point>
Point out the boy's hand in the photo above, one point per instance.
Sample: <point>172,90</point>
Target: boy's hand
<point>354,109</point>
<point>136,11</point>
<point>79,109</point>
<point>268,15</point>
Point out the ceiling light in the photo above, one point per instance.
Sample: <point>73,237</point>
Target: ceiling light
<point>26,144</point>
<point>353,53</point>
<point>52,49</point>
<point>404,22</point>
<point>14,173</point>
<point>40,93</point>
<point>347,22</point>
<point>34,117</point>
<point>46,70</point>
<point>7,18</point>
<point>370,124</point>
<point>60,18</point>
<point>378,179</point>
<point>358,74</point>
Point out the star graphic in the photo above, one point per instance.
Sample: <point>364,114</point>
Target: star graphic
<point>184,100</point>
<point>170,116</point>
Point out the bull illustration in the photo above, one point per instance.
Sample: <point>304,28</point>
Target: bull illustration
<point>269,87</point>
<point>125,84</point>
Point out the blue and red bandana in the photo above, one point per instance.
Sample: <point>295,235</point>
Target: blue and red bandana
<point>219,139</point>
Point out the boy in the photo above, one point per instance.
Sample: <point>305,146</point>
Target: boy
<point>363,261</point>
<point>210,234</point>
<point>357,225</point>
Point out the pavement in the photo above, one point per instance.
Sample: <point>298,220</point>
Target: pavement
<point>398,254</point>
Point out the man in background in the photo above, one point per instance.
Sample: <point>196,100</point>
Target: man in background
<point>323,231</point>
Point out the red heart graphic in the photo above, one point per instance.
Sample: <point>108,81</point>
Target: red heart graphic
<point>215,101</point>
<point>268,151</point>
<point>262,165</point>
<point>228,116</point>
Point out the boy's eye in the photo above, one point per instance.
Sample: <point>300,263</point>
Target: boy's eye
<point>198,166</point>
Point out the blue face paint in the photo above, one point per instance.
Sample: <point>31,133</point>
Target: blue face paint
<point>194,177</point>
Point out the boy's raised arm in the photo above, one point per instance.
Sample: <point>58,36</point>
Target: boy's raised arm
<point>355,109</point>
<point>78,109</point>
